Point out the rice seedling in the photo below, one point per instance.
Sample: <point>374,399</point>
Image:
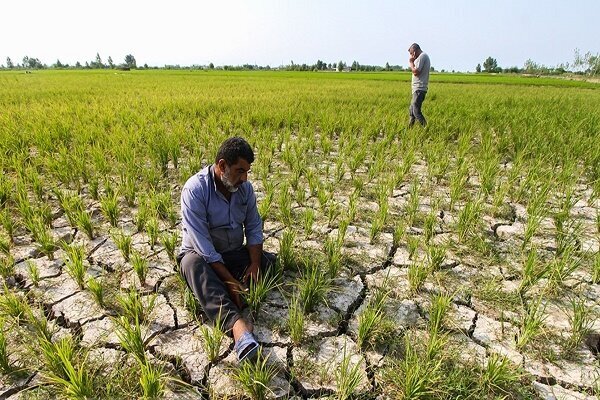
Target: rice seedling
<point>581,320</point>
<point>152,379</point>
<point>429,227</point>
<point>7,266</point>
<point>499,375</point>
<point>109,205</point>
<point>377,225</point>
<point>416,275</point>
<point>255,377</point>
<point>169,241</point>
<point>438,309</point>
<point>123,243</point>
<point>8,223</point>
<point>286,257</point>
<point>373,325</point>
<point>561,268</point>
<point>83,221</point>
<point>333,252</point>
<point>45,241</point>
<point>295,320</point>
<point>436,255</point>
<point>348,377</point>
<point>284,203</point>
<point>532,322</point>
<point>412,243</point>
<point>133,308</point>
<point>62,370</point>
<point>33,271</point>
<point>129,189</point>
<point>153,231</point>
<point>312,285</point>
<point>76,267</point>
<point>212,338</point>
<point>469,219</point>
<point>141,217</point>
<point>93,188</point>
<point>163,205</point>
<point>95,287</point>
<point>308,220</point>
<point>6,367</point>
<point>596,268</point>
<point>130,337</point>
<point>139,263</point>
<point>412,204</point>
<point>259,289</point>
<point>531,273</point>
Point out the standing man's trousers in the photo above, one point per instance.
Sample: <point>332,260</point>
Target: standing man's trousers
<point>415,108</point>
<point>208,288</point>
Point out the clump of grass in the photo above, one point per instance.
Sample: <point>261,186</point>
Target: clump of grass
<point>42,235</point>
<point>4,246</point>
<point>417,274</point>
<point>596,268</point>
<point>8,223</point>
<point>76,267</point>
<point>133,308</point>
<point>13,305</point>
<point>440,303</point>
<point>498,376</point>
<point>469,219</point>
<point>7,266</point>
<point>130,336</point>
<point>295,320</point>
<point>373,326</point>
<point>532,321</point>
<point>412,243</point>
<point>139,264</point>
<point>436,255</point>
<point>348,377</point>
<point>286,257</point>
<point>531,272</point>
<point>33,271</point>
<point>6,367</point>
<point>109,205</point>
<point>313,285</point>
<point>153,231</point>
<point>259,289</point>
<point>308,219</point>
<point>97,290</point>
<point>123,243</point>
<point>84,222</point>
<point>255,377</point>
<point>152,381</point>
<point>581,320</point>
<point>212,338</point>
<point>333,252</point>
<point>169,241</point>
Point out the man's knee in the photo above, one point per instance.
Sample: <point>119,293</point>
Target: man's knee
<point>268,259</point>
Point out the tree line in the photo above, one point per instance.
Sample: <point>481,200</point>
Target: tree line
<point>35,63</point>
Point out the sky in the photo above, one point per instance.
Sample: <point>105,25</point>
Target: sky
<point>456,34</point>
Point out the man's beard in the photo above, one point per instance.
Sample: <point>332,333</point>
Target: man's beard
<point>227,182</point>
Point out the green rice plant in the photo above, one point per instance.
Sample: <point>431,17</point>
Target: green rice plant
<point>13,305</point>
<point>264,206</point>
<point>469,219</point>
<point>531,227</point>
<point>498,376</point>
<point>95,287</point>
<point>163,205</point>
<point>333,252</point>
<point>212,338</point>
<point>532,322</point>
<point>45,241</point>
<point>436,255</point>
<point>352,205</point>
<point>259,289</point>
<point>308,219</point>
<point>429,227</point>
<point>412,243</point>
<point>295,320</point>
<point>416,275</point>
<point>581,320</point>
<point>7,266</point>
<point>62,370</point>
<point>412,204</point>
<point>440,303</point>
<point>313,285</point>
<point>76,267</point>
<point>153,231</point>
<point>93,188</point>
<point>255,377</point>
<point>284,203</point>
<point>561,268</point>
<point>286,257</point>
<point>5,190</point>
<point>6,367</point>
<point>8,223</point>
<point>333,211</point>
<point>141,217</point>
<point>531,273</point>
<point>458,182</point>
<point>139,263</point>
<point>129,333</point>
<point>109,205</point>
<point>373,325</point>
<point>169,241</point>
<point>129,189</point>
<point>348,377</point>
<point>596,268</point>
<point>342,229</point>
<point>33,271</point>
<point>123,242</point>
<point>152,379</point>
<point>133,308</point>
<point>83,220</point>
<point>376,227</point>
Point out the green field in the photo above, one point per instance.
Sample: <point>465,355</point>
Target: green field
<point>457,261</point>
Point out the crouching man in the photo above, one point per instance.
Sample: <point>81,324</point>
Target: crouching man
<point>218,208</point>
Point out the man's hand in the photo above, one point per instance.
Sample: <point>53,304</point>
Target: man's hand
<point>411,59</point>
<point>252,272</point>
<point>235,288</point>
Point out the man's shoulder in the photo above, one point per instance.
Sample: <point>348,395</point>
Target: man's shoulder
<point>198,181</point>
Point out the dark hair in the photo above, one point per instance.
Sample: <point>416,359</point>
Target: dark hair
<point>414,46</point>
<point>234,148</point>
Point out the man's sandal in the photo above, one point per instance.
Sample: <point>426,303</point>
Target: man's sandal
<point>246,348</point>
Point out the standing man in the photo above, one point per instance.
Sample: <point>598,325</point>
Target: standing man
<point>419,64</point>
<point>218,208</point>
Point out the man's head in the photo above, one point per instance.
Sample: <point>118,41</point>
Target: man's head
<point>233,162</point>
<point>414,50</point>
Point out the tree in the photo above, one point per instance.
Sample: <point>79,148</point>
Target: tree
<point>490,64</point>
<point>478,68</point>
<point>110,62</point>
<point>58,64</point>
<point>340,66</point>
<point>130,61</point>
<point>211,66</point>
<point>9,63</point>
<point>98,62</point>
<point>590,63</point>
<point>77,64</point>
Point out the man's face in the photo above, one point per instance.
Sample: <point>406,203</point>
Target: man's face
<point>234,175</point>
<point>412,53</point>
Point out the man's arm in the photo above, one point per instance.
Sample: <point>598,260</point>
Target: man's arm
<point>413,67</point>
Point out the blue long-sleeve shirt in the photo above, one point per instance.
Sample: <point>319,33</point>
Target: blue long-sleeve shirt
<point>213,225</point>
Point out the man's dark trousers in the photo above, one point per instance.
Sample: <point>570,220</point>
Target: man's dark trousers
<point>208,288</point>
<point>415,108</point>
